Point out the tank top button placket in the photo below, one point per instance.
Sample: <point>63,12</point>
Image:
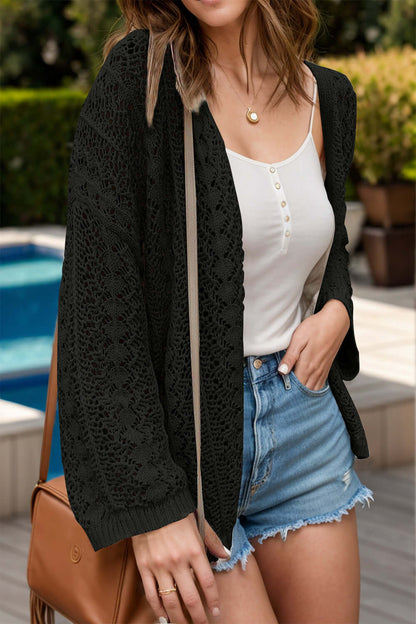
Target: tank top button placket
<point>284,207</point>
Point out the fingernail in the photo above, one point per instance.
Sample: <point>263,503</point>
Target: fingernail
<point>163,620</point>
<point>216,612</point>
<point>227,551</point>
<point>283,368</point>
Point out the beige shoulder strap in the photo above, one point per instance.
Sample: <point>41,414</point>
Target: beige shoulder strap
<point>192,254</point>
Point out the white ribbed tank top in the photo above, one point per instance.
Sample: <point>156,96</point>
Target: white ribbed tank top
<point>288,228</point>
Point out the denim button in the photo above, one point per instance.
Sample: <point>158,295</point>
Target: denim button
<point>257,363</point>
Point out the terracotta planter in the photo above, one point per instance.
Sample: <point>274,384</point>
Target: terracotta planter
<point>388,204</point>
<point>390,254</point>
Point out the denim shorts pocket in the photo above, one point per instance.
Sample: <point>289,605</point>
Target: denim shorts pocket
<point>325,388</point>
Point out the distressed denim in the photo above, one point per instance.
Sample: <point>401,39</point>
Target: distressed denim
<point>298,466</point>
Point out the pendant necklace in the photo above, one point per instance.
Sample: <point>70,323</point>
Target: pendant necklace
<point>251,115</point>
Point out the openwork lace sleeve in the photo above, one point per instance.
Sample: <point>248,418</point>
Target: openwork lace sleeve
<point>339,279</point>
<point>120,475</point>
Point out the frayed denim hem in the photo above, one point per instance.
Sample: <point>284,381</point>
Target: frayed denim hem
<point>362,495</point>
<point>228,564</point>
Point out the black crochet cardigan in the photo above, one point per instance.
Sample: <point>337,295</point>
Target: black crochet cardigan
<point>124,376</point>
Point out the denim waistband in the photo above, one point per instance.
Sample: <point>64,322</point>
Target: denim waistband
<point>251,359</point>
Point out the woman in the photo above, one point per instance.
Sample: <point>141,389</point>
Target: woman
<point>279,430</point>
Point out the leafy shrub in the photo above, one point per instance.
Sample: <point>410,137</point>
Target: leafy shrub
<point>385,84</point>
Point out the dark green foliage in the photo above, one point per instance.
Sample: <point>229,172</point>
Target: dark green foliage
<point>36,46</point>
<point>37,128</point>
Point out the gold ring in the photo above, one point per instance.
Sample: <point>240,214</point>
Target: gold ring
<point>167,591</point>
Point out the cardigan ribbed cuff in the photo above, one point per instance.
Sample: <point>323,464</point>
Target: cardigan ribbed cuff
<point>116,525</point>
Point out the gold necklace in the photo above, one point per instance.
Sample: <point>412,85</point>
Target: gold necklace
<point>251,114</point>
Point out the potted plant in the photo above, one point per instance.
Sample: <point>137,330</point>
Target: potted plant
<point>384,166</point>
<point>354,216</point>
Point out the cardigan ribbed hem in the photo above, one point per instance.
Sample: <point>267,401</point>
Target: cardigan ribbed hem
<point>120,524</point>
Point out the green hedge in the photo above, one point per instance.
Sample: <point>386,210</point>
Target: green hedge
<point>37,128</point>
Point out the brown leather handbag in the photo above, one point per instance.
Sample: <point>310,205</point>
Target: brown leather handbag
<point>64,572</point>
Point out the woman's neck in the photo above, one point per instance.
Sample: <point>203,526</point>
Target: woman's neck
<point>226,39</point>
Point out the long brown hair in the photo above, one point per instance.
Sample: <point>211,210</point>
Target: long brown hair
<point>287,31</point>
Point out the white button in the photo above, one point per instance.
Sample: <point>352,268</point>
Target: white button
<point>272,169</point>
<point>287,233</point>
<point>277,185</point>
<point>283,203</point>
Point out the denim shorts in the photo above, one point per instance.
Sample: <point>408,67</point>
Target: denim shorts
<point>298,466</point>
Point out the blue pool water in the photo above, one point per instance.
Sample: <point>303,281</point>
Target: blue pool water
<point>30,277</point>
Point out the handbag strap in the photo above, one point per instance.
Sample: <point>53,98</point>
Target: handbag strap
<point>192,256</point>
<point>192,260</point>
<point>51,404</point>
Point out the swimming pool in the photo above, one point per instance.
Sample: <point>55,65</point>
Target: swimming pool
<point>30,277</point>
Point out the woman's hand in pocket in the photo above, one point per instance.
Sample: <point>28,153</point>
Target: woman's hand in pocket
<point>175,553</point>
<point>315,343</point>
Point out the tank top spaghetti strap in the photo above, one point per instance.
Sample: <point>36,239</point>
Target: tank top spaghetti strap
<point>313,105</point>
